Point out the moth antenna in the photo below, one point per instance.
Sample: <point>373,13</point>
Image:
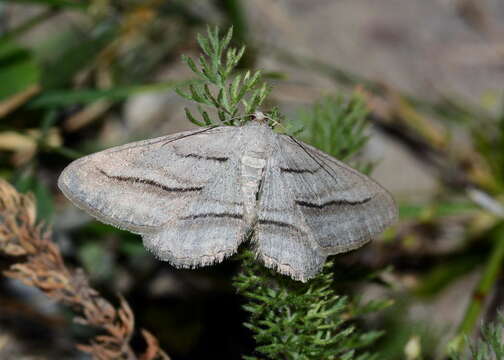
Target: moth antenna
<point>260,116</point>
<point>257,115</point>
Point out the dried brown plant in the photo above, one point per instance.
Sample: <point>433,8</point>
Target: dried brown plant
<point>41,265</point>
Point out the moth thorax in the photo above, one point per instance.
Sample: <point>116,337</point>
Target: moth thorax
<point>251,175</point>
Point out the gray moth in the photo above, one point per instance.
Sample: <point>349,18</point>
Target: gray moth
<point>195,196</point>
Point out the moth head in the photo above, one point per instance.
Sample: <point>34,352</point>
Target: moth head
<point>259,116</point>
<point>262,118</point>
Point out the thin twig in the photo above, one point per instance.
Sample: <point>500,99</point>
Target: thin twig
<point>485,284</point>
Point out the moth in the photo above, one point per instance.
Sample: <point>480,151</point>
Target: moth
<point>195,196</point>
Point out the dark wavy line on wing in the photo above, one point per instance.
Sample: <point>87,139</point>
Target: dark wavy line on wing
<point>278,224</point>
<point>213,215</point>
<point>332,202</point>
<point>320,164</point>
<point>298,171</point>
<point>202,157</point>
<point>135,180</point>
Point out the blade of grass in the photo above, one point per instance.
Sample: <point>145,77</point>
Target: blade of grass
<point>236,14</point>
<point>75,4</point>
<point>66,152</point>
<point>18,70</point>
<point>75,56</point>
<point>488,278</point>
<point>29,24</point>
<point>12,103</point>
<point>65,97</point>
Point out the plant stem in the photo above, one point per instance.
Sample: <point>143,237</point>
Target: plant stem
<point>236,14</point>
<point>483,288</point>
